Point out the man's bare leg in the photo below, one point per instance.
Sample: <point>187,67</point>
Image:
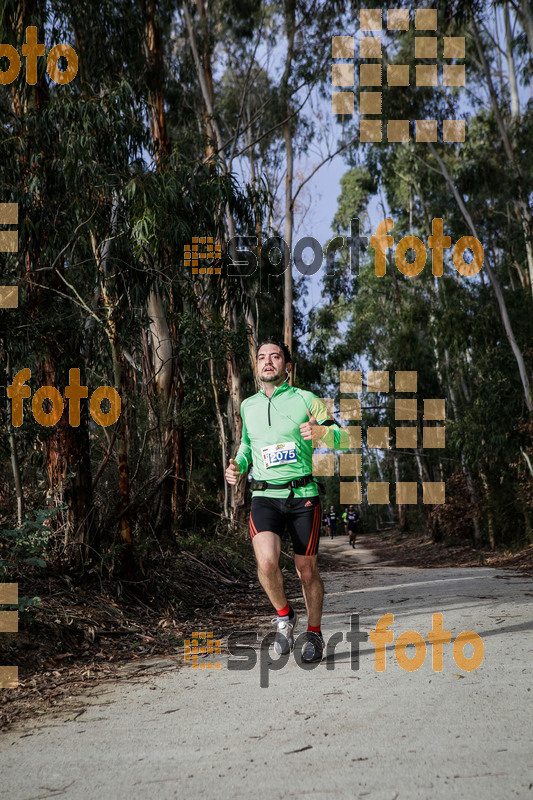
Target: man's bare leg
<point>312,586</point>
<point>267,549</point>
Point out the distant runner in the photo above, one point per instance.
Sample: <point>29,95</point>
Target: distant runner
<point>332,521</point>
<point>279,424</point>
<point>352,523</point>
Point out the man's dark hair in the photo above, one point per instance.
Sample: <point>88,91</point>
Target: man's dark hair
<point>282,346</point>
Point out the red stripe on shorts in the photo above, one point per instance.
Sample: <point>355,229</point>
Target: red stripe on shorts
<point>253,529</point>
<point>314,531</point>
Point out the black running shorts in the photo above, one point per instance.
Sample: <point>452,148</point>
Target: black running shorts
<point>302,518</point>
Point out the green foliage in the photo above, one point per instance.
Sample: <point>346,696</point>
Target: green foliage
<point>27,545</point>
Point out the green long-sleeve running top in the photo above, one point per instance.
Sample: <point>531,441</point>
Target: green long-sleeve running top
<point>272,441</point>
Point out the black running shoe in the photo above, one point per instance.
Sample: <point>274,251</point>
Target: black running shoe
<point>313,647</point>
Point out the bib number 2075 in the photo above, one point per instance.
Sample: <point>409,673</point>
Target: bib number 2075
<point>277,454</point>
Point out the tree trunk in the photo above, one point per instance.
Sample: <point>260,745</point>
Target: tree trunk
<point>124,523</point>
<point>161,374</point>
<point>161,344</point>
<point>66,448</point>
<point>222,435</point>
<point>153,46</point>
<point>513,86</point>
<point>15,466</point>
<point>68,467</point>
<point>169,454</point>
<point>290,30</point>
<point>490,515</point>
<point>401,508</point>
<point>235,398</point>
<point>175,455</point>
<point>251,321</point>
<point>473,500</point>
<point>390,507</point>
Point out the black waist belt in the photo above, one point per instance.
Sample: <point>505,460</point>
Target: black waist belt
<point>261,486</point>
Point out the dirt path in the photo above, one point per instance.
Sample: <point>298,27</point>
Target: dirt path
<point>279,731</point>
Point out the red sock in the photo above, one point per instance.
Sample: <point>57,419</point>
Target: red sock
<point>284,612</point>
<point>314,628</point>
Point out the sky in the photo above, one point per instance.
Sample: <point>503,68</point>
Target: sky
<point>325,189</point>
<point>319,199</point>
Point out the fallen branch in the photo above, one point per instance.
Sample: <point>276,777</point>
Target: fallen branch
<point>211,569</point>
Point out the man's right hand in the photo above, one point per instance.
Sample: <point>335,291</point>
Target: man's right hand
<point>233,472</point>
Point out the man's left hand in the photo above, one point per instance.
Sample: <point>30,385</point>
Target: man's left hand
<point>311,430</point>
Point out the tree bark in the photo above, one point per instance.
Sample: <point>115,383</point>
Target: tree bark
<point>513,86</point>
<point>124,525</point>
<point>490,516</point>
<point>221,429</point>
<point>15,466</point>
<point>161,344</point>
<point>153,45</point>
<point>169,454</point>
<point>401,508</point>
<point>67,466</point>
<point>290,30</point>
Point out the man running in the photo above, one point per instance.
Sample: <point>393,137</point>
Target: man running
<point>352,521</point>
<point>332,521</point>
<point>279,424</point>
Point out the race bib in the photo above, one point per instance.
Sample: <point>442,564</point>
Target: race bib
<point>276,454</point>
